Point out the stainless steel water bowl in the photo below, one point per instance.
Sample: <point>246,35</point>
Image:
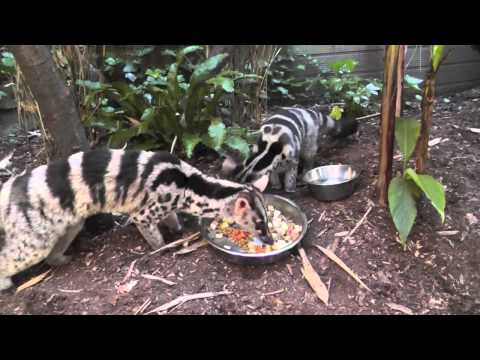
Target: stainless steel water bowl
<point>239,256</point>
<point>332,182</point>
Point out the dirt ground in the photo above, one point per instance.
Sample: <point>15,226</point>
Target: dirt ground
<point>437,274</point>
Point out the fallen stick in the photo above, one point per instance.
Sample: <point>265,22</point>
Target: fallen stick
<point>129,272</point>
<point>34,281</point>
<point>184,298</point>
<point>192,247</point>
<point>321,216</point>
<point>360,222</point>
<point>313,278</point>
<point>368,116</point>
<point>340,263</point>
<point>158,278</point>
<point>144,306</point>
<point>274,292</point>
<point>176,243</point>
<point>448,232</point>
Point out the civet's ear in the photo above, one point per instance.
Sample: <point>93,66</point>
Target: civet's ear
<point>262,182</point>
<point>242,205</point>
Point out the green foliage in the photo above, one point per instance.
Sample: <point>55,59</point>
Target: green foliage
<point>340,85</point>
<point>7,64</point>
<point>336,113</point>
<point>405,190</point>
<point>437,51</point>
<point>299,78</point>
<point>412,88</point>
<point>407,131</point>
<point>402,206</point>
<point>148,110</point>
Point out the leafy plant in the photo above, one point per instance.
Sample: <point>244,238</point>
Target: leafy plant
<point>412,86</point>
<point>7,64</point>
<point>406,189</point>
<point>340,85</point>
<point>299,78</point>
<point>149,110</point>
<point>289,79</point>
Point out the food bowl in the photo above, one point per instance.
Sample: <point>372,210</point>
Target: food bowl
<point>236,255</point>
<point>332,182</point>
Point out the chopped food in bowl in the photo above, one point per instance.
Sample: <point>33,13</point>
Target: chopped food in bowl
<point>283,232</point>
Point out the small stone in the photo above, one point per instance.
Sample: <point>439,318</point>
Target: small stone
<point>472,219</point>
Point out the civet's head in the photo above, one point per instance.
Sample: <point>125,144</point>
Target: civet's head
<point>248,209</point>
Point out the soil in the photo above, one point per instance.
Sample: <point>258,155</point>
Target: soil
<point>436,274</point>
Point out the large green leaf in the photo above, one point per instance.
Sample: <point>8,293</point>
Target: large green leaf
<point>239,144</point>
<point>413,82</point>
<point>431,188</point>
<point>226,83</point>
<point>190,141</point>
<point>344,66</point>
<point>189,50</point>
<point>148,114</point>
<point>407,131</point>
<point>437,51</point>
<point>208,69</point>
<point>217,132</point>
<point>402,207</point>
<point>91,85</point>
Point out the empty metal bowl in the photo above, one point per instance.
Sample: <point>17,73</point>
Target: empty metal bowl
<point>332,182</point>
<point>237,255</point>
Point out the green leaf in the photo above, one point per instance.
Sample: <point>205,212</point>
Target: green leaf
<point>208,69</point>
<point>190,49</point>
<point>8,61</point>
<point>437,51</point>
<point>344,66</point>
<point>282,90</point>
<point>91,85</point>
<point>121,137</point>
<point>148,114</point>
<point>217,132</point>
<point>239,144</point>
<point>336,113</point>
<point>402,207</point>
<point>301,67</point>
<point>431,188</point>
<point>190,141</point>
<point>413,82</point>
<point>418,97</point>
<point>2,94</point>
<point>129,68</point>
<point>226,83</point>
<point>407,131</point>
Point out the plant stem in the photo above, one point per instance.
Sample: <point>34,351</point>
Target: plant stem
<point>393,79</point>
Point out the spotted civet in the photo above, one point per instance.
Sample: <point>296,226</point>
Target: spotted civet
<point>287,137</point>
<point>43,210</point>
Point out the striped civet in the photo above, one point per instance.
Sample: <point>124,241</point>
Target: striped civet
<point>43,210</point>
<point>287,137</point>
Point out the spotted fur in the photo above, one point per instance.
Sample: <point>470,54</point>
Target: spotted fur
<point>43,210</point>
<point>288,137</point>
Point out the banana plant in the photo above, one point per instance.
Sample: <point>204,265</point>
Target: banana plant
<point>405,190</point>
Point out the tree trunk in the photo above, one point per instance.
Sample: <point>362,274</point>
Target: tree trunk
<point>56,102</point>
<point>427,113</point>
<point>391,108</point>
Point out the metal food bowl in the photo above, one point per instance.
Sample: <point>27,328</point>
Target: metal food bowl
<point>237,255</point>
<point>332,182</point>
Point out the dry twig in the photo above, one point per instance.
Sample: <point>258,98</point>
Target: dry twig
<point>184,298</point>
